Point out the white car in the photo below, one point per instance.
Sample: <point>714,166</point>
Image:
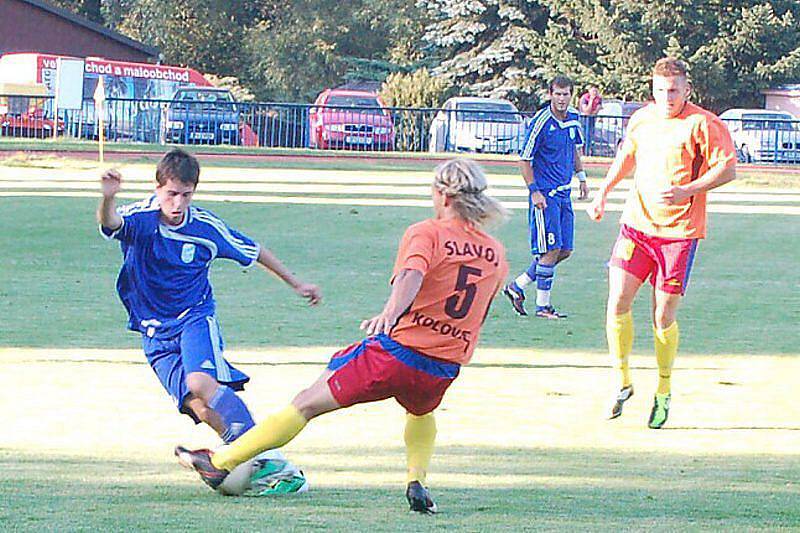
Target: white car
<point>764,135</point>
<point>471,124</point>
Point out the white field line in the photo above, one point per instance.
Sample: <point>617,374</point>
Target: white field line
<point>385,202</point>
<point>405,190</point>
<point>145,174</point>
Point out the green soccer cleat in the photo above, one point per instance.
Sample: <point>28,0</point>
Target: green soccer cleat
<point>623,396</point>
<point>273,477</point>
<point>660,412</point>
<point>297,484</point>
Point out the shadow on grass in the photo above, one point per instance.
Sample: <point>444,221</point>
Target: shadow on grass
<point>476,489</point>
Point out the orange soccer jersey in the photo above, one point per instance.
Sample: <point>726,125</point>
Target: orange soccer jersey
<point>463,268</point>
<point>673,151</point>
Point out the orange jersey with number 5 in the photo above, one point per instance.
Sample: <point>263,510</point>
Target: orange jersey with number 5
<point>462,268</point>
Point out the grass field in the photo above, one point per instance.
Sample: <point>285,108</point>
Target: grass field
<point>523,444</point>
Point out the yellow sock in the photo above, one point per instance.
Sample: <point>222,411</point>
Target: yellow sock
<point>619,330</point>
<point>420,435</point>
<point>272,432</point>
<point>666,343</point>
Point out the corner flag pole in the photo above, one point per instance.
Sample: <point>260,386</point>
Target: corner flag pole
<point>100,112</point>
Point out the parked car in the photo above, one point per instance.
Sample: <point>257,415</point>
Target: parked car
<point>610,125</point>
<point>24,111</point>
<point>201,115</point>
<point>350,120</point>
<point>762,135</point>
<point>472,124</point>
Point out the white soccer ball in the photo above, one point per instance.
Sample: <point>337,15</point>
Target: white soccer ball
<point>238,481</point>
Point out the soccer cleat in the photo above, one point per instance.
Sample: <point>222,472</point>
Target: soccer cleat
<point>660,412</point>
<point>624,395</point>
<point>273,477</point>
<point>517,297</point>
<point>200,462</point>
<point>419,499</point>
<point>297,484</point>
<point>549,312</point>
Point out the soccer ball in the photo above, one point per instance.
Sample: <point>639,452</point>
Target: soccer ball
<point>260,475</point>
<point>238,481</point>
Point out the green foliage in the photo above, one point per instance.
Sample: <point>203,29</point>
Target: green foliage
<point>314,44</point>
<point>415,89</point>
<point>510,49</point>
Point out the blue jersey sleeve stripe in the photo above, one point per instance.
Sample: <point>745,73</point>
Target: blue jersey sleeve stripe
<point>150,204</point>
<point>220,226</point>
<point>250,251</point>
<point>538,123</point>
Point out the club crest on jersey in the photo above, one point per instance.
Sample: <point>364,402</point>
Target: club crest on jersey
<point>187,252</point>
<point>572,133</point>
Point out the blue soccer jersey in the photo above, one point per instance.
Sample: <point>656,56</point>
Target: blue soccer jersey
<point>550,147</point>
<point>164,282</point>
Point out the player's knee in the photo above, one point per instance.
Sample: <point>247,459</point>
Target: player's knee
<point>618,304</point>
<point>663,318</point>
<point>564,254</point>
<point>201,385</point>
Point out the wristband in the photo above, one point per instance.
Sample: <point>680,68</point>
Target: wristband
<point>532,188</point>
<point>581,176</point>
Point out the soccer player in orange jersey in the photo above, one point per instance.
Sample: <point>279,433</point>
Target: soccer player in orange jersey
<point>446,274</point>
<point>677,152</point>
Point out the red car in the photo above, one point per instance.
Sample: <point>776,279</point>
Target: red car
<point>22,112</point>
<point>350,120</point>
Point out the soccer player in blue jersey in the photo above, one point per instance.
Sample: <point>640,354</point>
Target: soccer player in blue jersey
<point>168,246</point>
<point>548,159</point>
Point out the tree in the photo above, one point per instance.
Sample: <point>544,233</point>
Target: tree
<point>486,46</point>
<point>511,48</point>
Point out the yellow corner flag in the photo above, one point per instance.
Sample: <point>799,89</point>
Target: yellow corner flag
<point>99,109</point>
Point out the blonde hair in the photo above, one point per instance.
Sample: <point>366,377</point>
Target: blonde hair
<point>464,181</point>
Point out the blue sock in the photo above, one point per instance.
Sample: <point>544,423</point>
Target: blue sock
<point>544,277</point>
<point>233,411</point>
<point>544,282</point>
<point>531,272</point>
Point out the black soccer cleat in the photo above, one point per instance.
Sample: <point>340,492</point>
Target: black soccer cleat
<point>517,298</point>
<point>200,462</point>
<point>419,499</point>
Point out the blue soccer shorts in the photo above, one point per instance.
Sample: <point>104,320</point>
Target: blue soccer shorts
<point>197,348</point>
<point>552,228</point>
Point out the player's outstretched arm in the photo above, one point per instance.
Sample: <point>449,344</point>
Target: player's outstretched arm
<point>308,291</point>
<point>110,185</point>
<point>405,287</point>
<point>622,166</point>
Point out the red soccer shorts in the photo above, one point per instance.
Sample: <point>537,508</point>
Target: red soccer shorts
<point>378,368</point>
<point>667,262</point>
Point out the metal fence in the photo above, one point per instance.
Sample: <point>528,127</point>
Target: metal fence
<point>347,128</point>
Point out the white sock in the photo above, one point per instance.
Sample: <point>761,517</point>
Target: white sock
<point>542,298</point>
<point>523,280</point>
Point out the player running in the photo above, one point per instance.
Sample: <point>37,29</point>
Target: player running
<point>677,152</point>
<point>446,274</point>
<point>168,246</point>
<point>549,157</point>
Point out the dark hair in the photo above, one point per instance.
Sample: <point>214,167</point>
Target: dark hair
<point>178,165</point>
<point>669,67</point>
<point>561,81</point>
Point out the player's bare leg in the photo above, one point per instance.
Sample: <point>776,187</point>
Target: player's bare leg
<point>666,336</point>
<point>203,387</point>
<point>205,414</point>
<point>545,271</point>
<point>622,289</point>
